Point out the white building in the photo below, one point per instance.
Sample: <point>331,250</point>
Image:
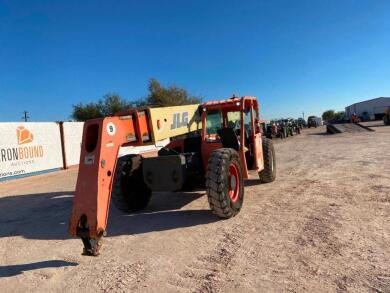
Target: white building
<point>373,109</point>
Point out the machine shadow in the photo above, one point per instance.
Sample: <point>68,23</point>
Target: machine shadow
<point>253,182</point>
<point>13,270</point>
<point>45,216</point>
<point>162,214</point>
<point>320,134</point>
<point>36,216</point>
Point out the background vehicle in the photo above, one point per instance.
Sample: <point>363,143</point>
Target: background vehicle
<point>296,127</point>
<point>271,130</point>
<point>313,121</point>
<point>223,142</point>
<point>288,124</point>
<point>281,128</point>
<point>301,122</point>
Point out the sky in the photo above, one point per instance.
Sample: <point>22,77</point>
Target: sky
<point>294,56</point>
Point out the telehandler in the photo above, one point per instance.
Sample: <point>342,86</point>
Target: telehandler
<point>214,144</point>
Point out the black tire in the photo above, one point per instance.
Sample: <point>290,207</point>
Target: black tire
<point>219,181</point>
<point>129,191</point>
<point>268,174</point>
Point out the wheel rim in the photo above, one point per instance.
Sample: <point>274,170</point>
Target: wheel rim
<point>234,182</point>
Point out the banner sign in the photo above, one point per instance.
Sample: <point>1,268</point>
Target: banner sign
<point>29,147</point>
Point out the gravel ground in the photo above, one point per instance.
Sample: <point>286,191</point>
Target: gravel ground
<point>322,226</point>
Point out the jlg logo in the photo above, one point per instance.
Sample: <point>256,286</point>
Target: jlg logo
<point>179,120</point>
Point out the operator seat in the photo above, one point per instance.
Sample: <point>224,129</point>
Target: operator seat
<point>229,138</point>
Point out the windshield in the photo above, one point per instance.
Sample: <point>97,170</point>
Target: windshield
<point>213,122</point>
<point>233,120</point>
<point>217,119</point>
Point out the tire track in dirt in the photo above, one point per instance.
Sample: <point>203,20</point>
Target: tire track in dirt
<point>115,277</point>
<point>276,257</point>
<point>379,283</point>
<point>122,278</point>
<point>212,268</point>
<point>318,236</point>
<point>318,232</point>
<point>210,271</point>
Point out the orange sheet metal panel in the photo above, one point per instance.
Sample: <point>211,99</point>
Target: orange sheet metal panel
<point>101,141</point>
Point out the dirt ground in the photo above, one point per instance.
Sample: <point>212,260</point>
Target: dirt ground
<point>322,226</point>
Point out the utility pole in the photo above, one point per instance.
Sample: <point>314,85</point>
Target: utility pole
<point>25,116</point>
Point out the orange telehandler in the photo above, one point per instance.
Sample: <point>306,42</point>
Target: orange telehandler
<point>214,144</point>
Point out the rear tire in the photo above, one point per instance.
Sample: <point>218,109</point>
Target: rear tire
<point>268,174</point>
<point>129,191</point>
<point>225,183</point>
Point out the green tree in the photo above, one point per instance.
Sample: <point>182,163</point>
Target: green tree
<point>339,115</point>
<point>82,112</point>
<point>160,96</point>
<point>328,115</point>
<point>333,115</point>
<point>112,103</point>
<point>106,106</point>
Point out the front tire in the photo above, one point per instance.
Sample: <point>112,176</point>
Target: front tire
<point>225,183</point>
<point>129,192</point>
<point>268,174</point>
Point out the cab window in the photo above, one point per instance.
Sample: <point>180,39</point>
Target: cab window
<point>213,122</point>
<point>248,121</point>
<point>233,120</point>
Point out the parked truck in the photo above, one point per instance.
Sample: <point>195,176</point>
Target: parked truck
<point>314,121</point>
